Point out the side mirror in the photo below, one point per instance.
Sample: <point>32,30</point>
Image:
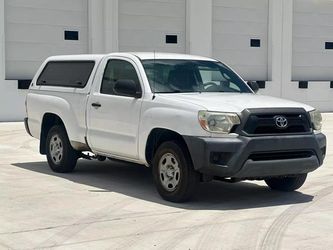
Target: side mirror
<point>128,88</point>
<point>254,86</point>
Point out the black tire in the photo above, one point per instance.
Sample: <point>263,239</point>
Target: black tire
<point>188,178</point>
<point>286,184</point>
<point>67,161</point>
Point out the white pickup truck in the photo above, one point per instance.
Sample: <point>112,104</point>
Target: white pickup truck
<point>189,118</point>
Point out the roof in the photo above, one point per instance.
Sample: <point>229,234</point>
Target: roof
<point>83,57</point>
<point>159,55</point>
<point>141,55</point>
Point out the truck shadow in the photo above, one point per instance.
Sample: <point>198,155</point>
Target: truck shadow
<point>136,181</point>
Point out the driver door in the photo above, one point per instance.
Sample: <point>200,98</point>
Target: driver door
<point>113,120</point>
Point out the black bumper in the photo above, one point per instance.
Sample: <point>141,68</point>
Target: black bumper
<point>257,157</point>
<point>26,125</point>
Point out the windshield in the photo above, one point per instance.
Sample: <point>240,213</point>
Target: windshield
<point>185,76</point>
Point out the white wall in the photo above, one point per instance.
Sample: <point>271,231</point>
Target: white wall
<point>11,100</point>
<point>30,31</point>
<point>199,30</point>
<point>291,32</point>
<point>281,34</point>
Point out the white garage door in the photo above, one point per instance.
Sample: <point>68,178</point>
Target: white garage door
<point>146,25</point>
<point>240,34</point>
<point>313,40</point>
<point>35,29</point>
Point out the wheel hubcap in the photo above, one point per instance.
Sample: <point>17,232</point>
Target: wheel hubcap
<point>169,172</point>
<point>56,149</point>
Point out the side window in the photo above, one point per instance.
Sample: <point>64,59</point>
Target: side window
<point>73,74</point>
<point>117,70</point>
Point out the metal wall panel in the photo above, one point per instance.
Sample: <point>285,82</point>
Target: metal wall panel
<point>235,23</point>
<point>312,28</point>
<point>143,25</point>
<point>34,30</point>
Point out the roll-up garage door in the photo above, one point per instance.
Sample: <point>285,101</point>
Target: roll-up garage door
<point>240,34</point>
<point>146,25</point>
<point>312,40</point>
<point>36,29</point>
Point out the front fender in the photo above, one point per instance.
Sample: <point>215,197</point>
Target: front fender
<point>183,122</point>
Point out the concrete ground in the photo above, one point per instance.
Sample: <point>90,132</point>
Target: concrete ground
<point>115,206</point>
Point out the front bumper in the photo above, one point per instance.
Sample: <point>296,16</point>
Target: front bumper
<point>257,157</point>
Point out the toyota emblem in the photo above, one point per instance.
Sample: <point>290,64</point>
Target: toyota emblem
<point>281,121</point>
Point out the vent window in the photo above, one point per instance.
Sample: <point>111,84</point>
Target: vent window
<point>329,45</point>
<point>171,39</point>
<point>303,85</point>
<point>71,35</point>
<point>255,43</point>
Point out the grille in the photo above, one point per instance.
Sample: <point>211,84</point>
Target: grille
<point>280,155</point>
<point>265,124</point>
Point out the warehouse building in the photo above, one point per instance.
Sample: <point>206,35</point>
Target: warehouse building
<point>284,45</point>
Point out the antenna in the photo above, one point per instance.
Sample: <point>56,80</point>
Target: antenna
<point>154,76</point>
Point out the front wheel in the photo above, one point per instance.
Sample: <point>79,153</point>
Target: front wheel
<point>286,184</point>
<point>174,175</point>
<point>60,155</point>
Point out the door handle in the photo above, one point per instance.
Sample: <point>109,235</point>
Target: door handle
<point>96,105</point>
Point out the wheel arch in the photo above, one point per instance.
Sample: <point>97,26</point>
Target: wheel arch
<point>48,121</point>
<point>159,135</point>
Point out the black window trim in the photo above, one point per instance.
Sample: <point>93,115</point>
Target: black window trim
<point>126,60</point>
<point>63,85</point>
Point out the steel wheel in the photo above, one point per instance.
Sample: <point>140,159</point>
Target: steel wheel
<point>174,175</point>
<point>56,149</point>
<point>169,172</point>
<point>60,155</point>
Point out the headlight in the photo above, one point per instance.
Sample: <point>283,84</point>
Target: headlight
<point>316,120</point>
<point>215,122</point>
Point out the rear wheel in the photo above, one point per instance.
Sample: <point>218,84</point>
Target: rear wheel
<point>173,172</point>
<point>60,155</point>
<point>286,184</point>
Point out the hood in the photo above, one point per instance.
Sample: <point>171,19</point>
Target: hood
<point>234,102</point>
